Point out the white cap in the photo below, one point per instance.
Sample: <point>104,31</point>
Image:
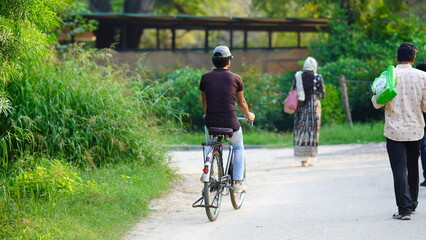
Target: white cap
<point>224,50</point>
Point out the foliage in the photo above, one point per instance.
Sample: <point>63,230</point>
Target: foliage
<point>23,24</point>
<point>331,107</point>
<point>361,50</point>
<point>295,8</point>
<point>359,75</point>
<point>107,203</point>
<point>263,92</point>
<point>183,84</point>
<point>73,22</point>
<point>155,100</point>
<point>173,7</point>
<point>40,13</point>
<point>57,115</point>
<point>41,178</point>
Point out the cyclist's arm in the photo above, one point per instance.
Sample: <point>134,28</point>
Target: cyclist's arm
<point>242,104</point>
<point>204,102</point>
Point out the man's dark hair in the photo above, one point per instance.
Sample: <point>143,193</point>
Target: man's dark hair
<point>219,61</point>
<point>406,52</point>
<point>421,66</point>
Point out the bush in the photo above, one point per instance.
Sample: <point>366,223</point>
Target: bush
<point>331,107</point>
<point>81,111</point>
<point>361,51</point>
<point>360,76</point>
<point>264,94</point>
<point>183,85</point>
<point>39,178</point>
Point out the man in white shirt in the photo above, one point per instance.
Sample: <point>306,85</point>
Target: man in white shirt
<point>404,129</point>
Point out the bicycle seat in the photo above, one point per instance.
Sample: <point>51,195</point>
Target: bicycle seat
<point>221,131</point>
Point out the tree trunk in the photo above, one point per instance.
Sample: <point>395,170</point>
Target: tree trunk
<point>350,15</point>
<point>105,32</point>
<point>100,5</point>
<point>138,6</point>
<point>131,34</point>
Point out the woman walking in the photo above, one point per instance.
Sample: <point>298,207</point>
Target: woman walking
<point>310,88</point>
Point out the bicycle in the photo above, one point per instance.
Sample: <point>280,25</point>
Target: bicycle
<point>217,179</point>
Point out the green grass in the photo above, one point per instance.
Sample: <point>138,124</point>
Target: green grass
<point>117,198</point>
<point>331,134</point>
<point>360,133</point>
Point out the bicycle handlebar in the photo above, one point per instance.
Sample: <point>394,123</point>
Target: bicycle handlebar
<point>245,119</point>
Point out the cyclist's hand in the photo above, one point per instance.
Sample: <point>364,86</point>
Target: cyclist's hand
<point>251,117</point>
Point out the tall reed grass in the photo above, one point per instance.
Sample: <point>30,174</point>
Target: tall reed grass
<point>82,111</point>
<point>69,114</point>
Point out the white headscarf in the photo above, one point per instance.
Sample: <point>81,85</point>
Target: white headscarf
<point>310,65</point>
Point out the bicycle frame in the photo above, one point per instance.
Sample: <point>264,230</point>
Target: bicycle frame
<point>217,178</point>
<point>218,145</point>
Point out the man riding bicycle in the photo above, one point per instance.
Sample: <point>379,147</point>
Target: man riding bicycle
<point>220,89</point>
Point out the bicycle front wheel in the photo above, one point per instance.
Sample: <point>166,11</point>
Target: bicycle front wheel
<point>237,199</point>
<point>212,191</point>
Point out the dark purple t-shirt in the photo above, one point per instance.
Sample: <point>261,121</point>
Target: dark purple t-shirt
<point>221,87</point>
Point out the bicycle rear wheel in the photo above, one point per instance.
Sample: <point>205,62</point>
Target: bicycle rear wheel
<point>237,199</point>
<point>212,191</point>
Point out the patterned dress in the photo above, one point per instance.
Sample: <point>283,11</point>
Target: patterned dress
<point>307,118</point>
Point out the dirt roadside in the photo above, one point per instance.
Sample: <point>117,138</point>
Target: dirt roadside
<point>347,194</point>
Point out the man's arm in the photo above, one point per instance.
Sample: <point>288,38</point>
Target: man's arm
<point>242,104</point>
<point>375,104</point>
<point>204,101</point>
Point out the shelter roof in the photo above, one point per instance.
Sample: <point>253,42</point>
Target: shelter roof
<point>191,22</point>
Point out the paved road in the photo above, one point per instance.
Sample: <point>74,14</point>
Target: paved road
<point>347,194</point>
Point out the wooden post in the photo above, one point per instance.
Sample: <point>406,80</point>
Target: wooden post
<point>298,40</point>
<point>173,39</point>
<point>270,39</point>
<point>231,39</point>
<point>245,40</point>
<point>123,37</point>
<point>345,99</point>
<point>206,41</point>
<point>157,38</point>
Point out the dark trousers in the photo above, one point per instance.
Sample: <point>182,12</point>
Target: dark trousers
<point>404,161</point>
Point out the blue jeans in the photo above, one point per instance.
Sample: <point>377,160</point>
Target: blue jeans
<point>423,155</point>
<point>238,145</point>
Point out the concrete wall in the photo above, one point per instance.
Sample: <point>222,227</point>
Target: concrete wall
<point>270,61</point>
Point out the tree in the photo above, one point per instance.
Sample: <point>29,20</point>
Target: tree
<point>133,33</point>
<point>362,42</point>
<point>100,5</point>
<point>23,28</point>
<point>24,41</point>
<point>107,33</point>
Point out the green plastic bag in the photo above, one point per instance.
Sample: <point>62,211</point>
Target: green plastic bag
<point>384,86</point>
